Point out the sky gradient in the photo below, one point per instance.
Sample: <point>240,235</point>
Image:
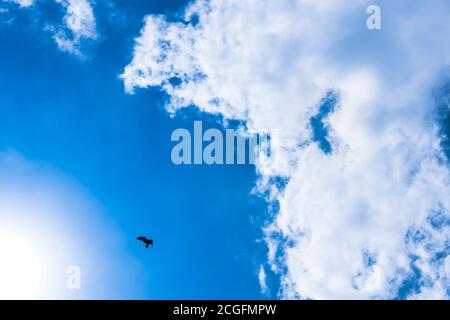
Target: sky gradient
<point>72,116</point>
<point>355,206</point>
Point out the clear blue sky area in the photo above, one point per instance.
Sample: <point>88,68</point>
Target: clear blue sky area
<point>74,116</point>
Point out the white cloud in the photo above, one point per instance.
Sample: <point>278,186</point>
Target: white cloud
<point>22,3</point>
<point>262,278</point>
<point>346,215</point>
<point>80,24</point>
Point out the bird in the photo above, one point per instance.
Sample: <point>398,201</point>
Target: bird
<point>148,242</point>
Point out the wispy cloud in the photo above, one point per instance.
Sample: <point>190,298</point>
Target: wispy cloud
<point>347,215</point>
<point>78,26</point>
<point>262,278</point>
<point>22,3</point>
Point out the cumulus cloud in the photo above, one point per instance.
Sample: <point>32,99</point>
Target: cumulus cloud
<point>356,222</point>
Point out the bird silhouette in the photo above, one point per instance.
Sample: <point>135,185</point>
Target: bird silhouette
<point>148,242</point>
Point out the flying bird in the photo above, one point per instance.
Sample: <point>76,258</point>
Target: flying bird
<point>148,242</point>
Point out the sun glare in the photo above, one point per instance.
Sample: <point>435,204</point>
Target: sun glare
<point>22,267</point>
<point>45,221</point>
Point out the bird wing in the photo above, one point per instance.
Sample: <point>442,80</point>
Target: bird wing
<point>143,239</point>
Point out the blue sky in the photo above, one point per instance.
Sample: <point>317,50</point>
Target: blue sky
<point>74,117</point>
<point>351,204</point>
